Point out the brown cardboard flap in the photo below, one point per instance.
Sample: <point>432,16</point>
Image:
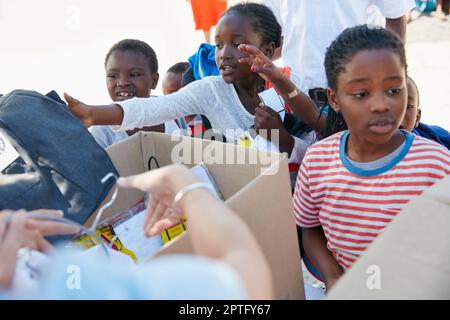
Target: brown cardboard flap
<point>440,191</point>
<point>411,258</point>
<point>265,204</point>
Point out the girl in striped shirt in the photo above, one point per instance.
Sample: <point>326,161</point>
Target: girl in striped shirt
<point>353,183</point>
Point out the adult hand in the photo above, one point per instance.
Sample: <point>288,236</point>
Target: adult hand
<point>162,185</point>
<point>19,230</point>
<point>260,63</point>
<point>80,110</point>
<point>25,231</point>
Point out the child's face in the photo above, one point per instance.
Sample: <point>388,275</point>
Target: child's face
<point>371,95</point>
<point>413,113</point>
<point>233,30</point>
<point>128,75</point>
<point>171,82</point>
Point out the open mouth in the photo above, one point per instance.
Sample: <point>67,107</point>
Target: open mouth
<point>123,95</point>
<point>226,69</point>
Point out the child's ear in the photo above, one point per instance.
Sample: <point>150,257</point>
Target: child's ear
<point>155,78</point>
<point>418,117</point>
<point>269,50</point>
<point>332,99</point>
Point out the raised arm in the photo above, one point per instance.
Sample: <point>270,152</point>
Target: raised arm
<point>300,103</point>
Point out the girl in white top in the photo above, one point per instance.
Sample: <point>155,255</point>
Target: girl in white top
<point>246,38</point>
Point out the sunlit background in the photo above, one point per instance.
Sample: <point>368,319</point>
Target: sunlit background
<point>61,45</point>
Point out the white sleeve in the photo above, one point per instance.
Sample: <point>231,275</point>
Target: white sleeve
<point>100,135</point>
<point>141,112</point>
<point>392,9</point>
<point>301,145</point>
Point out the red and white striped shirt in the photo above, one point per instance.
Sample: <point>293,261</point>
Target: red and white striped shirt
<point>353,205</point>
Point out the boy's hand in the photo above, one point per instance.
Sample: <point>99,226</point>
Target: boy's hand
<point>260,63</point>
<point>80,110</point>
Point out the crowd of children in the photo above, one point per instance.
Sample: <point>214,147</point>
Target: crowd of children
<point>373,156</point>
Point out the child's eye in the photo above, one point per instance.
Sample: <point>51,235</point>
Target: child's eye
<point>135,74</point>
<point>361,94</point>
<point>395,91</point>
<point>219,46</point>
<point>236,45</point>
<point>409,106</point>
<point>112,76</point>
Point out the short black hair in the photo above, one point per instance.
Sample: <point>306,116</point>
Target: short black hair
<point>265,23</point>
<point>417,89</point>
<point>136,46</point>
<point>179,68</point>
<point>344,48</point>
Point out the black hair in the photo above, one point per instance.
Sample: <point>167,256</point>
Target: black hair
<point>264,21</point>
<point>179,68</point>
<point>344,48</point>
<point>417,90</point>
<point>136,46</point>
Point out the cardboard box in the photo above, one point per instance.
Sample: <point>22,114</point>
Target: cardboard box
<point>257,189</point>
<point>411,258</point>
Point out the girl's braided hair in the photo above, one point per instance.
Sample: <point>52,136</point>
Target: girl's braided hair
<point>264,21</point>
<point>344,48</point>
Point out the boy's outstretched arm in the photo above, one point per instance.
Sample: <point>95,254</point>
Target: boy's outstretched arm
<point>315,245</point>
<point>94,115</point>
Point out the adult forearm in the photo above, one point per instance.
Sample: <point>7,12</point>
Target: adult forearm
<point>212,220</point>
<point>398,26</point>
<point>217,232</point>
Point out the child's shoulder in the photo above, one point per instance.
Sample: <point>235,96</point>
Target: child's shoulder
<point>328,142</point>
<point>325,147</point>
<point>423,141</point>
<point>429,147</point>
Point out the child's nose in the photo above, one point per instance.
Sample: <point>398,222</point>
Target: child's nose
<point>123,81</point>
<point>225,53</point>
<point>379,103</point>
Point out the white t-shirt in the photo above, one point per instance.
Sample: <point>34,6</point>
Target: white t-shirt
<point>212,97</point>
<point>106,137</point>
<point>309,27</point>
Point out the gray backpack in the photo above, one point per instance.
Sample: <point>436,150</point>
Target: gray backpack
<point>58,166</point>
